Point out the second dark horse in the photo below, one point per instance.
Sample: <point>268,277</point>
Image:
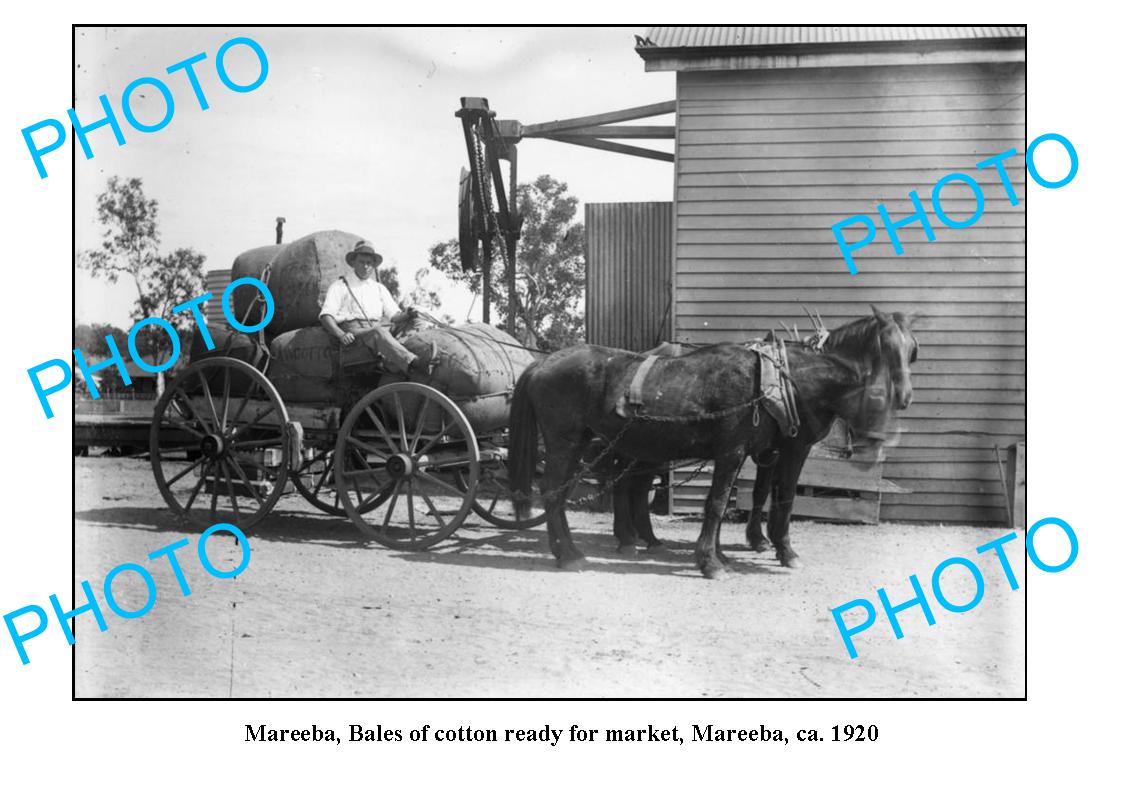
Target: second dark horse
<point>700,406</point>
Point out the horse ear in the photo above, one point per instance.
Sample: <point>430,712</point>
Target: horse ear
<point>882,318</point>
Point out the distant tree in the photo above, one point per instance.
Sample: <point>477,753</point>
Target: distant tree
<point>90,338</point>
<point>388,276</point>
<point>550,268</point>
<point>424,295</point>
<point>130,248</point>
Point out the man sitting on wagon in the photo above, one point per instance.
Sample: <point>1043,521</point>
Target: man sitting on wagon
<point>356,307</point>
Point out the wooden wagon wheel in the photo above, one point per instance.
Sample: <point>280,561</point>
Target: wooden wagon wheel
<point>315,481</point>
<point>493,500</point>
<point>220,444</point>
<point>406,441</point>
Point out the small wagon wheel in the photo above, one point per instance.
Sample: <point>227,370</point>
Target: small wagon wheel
<point>220,444</point>
<point>493,499</point>
<point>315,481</point>
<point>406,441</point>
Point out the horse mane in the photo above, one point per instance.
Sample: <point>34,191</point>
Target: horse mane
<point>855,339</point>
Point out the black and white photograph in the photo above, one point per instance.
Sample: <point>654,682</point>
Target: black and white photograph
<point>551,362</point>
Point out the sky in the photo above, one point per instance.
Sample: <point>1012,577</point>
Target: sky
<point>353,129</point>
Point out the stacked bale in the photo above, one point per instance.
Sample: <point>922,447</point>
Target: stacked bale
<point>299,275</point>
<point>475,365</point>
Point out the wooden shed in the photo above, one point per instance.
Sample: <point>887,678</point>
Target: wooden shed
<point>783,131</point>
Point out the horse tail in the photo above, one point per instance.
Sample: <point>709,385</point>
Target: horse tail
<point>523,451</point>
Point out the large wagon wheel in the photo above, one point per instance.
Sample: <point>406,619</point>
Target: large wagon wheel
<point>405,441</point>
<point>315,481</point>
<point>219,443</point>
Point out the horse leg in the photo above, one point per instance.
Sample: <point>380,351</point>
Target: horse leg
<point>622,526</point>
<point>786,478</point>
<point>641,507</point>
<point>706,552</point>
<point>563,458</point>
<point>754,536</point>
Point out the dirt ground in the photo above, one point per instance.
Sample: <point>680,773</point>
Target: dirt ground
<point>320,613</point>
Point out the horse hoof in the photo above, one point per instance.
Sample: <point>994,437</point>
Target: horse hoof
<point>572,564</point>
<point>658,549</point>
<point>791,563</point>
<point>758,547</point>
<point>628,550</point>
<point>713,573</point>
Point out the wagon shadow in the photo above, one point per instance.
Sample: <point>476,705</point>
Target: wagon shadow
<point>280,526</point>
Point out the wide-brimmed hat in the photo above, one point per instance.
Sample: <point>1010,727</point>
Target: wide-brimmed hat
<point>362,247</point>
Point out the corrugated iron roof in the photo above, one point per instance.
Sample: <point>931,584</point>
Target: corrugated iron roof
<point>778,36</point>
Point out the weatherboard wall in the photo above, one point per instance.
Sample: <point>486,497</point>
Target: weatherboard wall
<point>767,160</point>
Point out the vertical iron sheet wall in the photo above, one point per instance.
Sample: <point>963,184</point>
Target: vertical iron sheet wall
<point>216,281</point>
<point>628,274</point>
<point>769,159</point>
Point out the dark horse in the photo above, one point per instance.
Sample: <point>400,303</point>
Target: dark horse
<point>778,479</point>
<point>700,406</point>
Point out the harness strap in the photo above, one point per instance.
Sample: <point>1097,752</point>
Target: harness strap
<point>633,396</point>
<point>788,392</point>
<point>355,298</point>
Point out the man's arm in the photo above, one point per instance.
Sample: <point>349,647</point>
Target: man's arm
<point>329,323</point>
<point>333,303</point>
<point>390,310</point>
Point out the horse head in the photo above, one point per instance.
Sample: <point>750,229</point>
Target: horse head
<point>897,349</point>
<point>881,349</point>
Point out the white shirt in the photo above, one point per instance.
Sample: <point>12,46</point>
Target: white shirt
<point>373,296</point>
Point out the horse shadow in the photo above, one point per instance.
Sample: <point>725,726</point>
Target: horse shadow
<point>474,545</point>
<point>529,551</point>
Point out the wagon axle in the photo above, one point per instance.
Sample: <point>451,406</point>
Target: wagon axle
<point>213,446</point>
<point>400,466</point>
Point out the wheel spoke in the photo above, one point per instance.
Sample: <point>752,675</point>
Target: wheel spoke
<point>245,480</point>
<point>198,486</point>
<point>381,429</point>
<point>412,519</point>
<point>323,477</point>
<point>183,427</point>
<point>195,415</point>
<point>420,424</point>
<point>182,473</point>
<point>258,443</point>
<point>230,490</point>
<point>401,421</point>
<point>390,511</point>
<point>436,512</point>
<point>242,405</point>
<point>369,474</point>
<point>358,443</point>
<point>179,449</point>
<point>354,485</point>
<point>428,445</point>
<point>225,397</point>
<point>448,488</point>
<point>214,492</point>
<point>210,401</point>
<point>260,415</point>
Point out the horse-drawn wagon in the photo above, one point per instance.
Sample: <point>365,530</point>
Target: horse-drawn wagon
<point>406,460</point>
